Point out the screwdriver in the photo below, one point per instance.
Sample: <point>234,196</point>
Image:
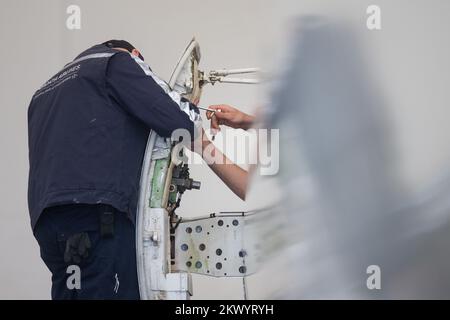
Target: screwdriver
<point>206,109</point>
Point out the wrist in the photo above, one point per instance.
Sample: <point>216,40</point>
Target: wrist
<point>247,121</point>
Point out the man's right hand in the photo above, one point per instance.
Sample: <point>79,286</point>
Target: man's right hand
<point>229,116</point>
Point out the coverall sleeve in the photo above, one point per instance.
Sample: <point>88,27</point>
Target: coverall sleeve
<point>143,98</point>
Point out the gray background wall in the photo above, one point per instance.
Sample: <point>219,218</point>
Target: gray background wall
<point>409,56</point>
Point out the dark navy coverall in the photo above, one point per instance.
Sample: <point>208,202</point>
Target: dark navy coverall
<point>88,127</point>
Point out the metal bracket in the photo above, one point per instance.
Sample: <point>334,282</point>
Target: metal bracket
<point>227,244</point>
<point>214,246</point>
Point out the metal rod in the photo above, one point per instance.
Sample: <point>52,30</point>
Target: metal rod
<point>225,72</point>
<point>238,80</point>
<point>244,286</point>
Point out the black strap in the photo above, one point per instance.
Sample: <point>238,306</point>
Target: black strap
<point>106,222</point>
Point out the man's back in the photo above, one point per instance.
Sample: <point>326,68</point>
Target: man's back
<point>88,127</point>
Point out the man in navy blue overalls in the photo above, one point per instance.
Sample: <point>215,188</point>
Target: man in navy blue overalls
<point>88,128</point>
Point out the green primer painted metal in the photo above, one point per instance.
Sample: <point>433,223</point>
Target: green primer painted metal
<point>158,182</point>
<point>173,197</point>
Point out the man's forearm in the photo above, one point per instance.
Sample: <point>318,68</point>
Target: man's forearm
<point>231,174</point>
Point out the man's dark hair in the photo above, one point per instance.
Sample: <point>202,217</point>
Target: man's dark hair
<point>121,44</point>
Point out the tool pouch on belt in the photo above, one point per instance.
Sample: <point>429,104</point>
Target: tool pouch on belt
<point>78,244</point>
<point>106,222</point>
